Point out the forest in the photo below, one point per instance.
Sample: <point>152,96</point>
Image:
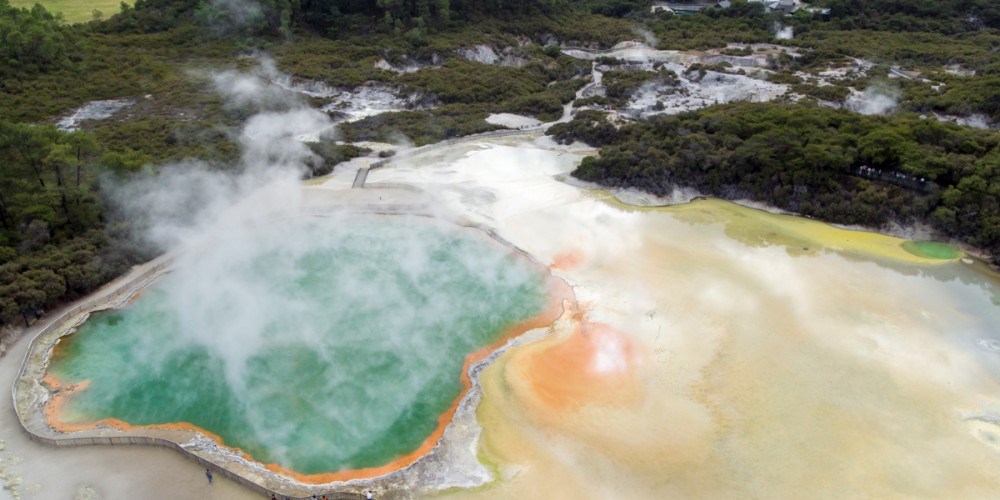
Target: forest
<point>60,238</point>
<point>54,243</point>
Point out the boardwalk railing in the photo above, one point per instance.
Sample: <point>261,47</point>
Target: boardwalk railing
<point>895,177</point>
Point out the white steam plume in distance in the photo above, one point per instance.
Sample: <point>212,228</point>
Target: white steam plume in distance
<point>782,32</point>
<point>876,100</point>
<point>176,203</point>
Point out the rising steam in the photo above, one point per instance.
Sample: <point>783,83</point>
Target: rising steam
<point>173,204</point>
<point>781,32</point>
<point>878,99</point>
<point>647,36</point>
<point>227,16</point>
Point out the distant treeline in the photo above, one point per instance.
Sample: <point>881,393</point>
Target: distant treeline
<point>815,161</point>
<point>413,19</point>
<point>941,16</point>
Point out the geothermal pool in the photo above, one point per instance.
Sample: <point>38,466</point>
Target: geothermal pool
<point>316,344</point>
<point>711,351</point>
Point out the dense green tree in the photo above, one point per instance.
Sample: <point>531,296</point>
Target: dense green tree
<point>971,208</point>
<point>882,148</point>
<point>33,41</point>
<point>53,246</point>
<point>946,16</point>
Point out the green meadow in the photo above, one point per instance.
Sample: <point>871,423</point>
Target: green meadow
<point>75,11</point>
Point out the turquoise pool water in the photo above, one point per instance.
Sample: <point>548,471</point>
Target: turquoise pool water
<point>321,344</point>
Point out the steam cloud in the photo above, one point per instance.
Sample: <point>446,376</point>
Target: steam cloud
<point>224,16</point>
<point>255,89</point>
<point>875,100</point>
<point>647,36</point>
<point>976,121</point>
<point>782,32</point>
<point>176,203</point>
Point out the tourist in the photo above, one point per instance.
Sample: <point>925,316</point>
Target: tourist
<point>208,474</point>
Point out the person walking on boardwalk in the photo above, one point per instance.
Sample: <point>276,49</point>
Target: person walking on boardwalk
<point>208,474</point>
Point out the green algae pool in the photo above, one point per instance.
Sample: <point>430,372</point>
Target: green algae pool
<point>932,250</point>
<point>320,345</point>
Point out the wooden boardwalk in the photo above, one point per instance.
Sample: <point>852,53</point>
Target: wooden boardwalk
<point>360,178</point>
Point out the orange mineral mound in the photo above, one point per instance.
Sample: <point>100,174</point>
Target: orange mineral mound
<point>584,364</point>
<point>567,261</point>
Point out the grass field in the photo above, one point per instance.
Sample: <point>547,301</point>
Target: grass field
<point>75,11</point>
